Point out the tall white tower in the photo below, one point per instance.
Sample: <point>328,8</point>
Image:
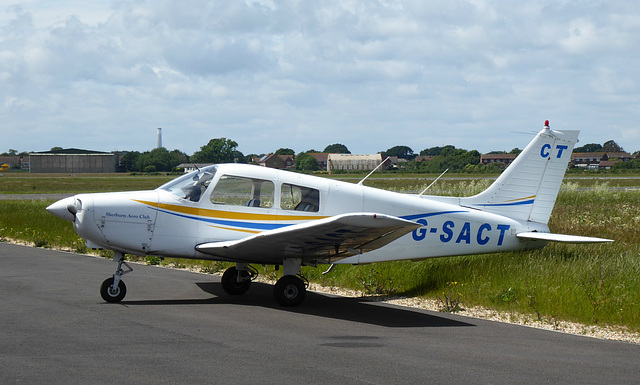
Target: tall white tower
<point>159,137</point>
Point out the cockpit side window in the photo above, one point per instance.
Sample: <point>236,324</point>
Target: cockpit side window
<point>241,191</point>
<point>191,186</point>
<point>299,198</point>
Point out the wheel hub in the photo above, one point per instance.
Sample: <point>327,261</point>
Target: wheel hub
<point>291,291</point>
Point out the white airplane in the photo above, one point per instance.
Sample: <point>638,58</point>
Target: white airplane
<point>250,214</point>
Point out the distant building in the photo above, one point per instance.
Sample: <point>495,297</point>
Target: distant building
<point>606,164</point>
<point>288,161</point>
<point>505,158</point>
<point>12,161</point>
<point>280,162</point>
<point>73,160</point>
<point>423,158</point>
<point>586,159</point>
<point>321,158</point>
<point>352,162</point>
<point>594,160</point>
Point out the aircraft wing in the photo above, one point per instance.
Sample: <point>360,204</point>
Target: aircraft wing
<point>329,239</point>
<point>561,238</point>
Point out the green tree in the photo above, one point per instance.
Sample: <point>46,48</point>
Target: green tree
<point>337,148</point>
<point>220,150</point>
<point>159,158</point>
<point>177,157</point>
<point>129,161</point>
<point>238,157</point>
<point>611,146</point>
<point>591,147</point>
<point>451,158</point>
<point>404,152</point>
<point>306,162</point>
<point>285,151</point>
<point>435,151</point>
<point>633,164</point>
<point>11,152</point>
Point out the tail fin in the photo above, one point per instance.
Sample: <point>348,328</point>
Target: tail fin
<point>528,188</point>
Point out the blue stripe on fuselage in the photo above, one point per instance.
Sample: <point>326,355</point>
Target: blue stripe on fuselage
<point>249,225</point>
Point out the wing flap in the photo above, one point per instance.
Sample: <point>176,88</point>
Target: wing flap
<point>561,238</point>
<point>329,239</point>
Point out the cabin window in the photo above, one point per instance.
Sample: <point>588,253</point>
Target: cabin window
<point>240,191</point>
<point>299,198</point>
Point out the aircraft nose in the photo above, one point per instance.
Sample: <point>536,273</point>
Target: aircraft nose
<point>64,208</point>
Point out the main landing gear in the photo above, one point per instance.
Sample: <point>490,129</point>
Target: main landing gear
<point>237,280</point>
<point>288,290</point>
<point>113,289</point>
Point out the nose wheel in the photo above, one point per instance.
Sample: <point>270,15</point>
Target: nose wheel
<point>113,289</point>
<point>111,293</point>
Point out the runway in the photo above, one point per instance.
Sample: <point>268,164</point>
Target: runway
<point>179,327</point>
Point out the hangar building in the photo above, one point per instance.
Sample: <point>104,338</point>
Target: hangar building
<point>73,160</point>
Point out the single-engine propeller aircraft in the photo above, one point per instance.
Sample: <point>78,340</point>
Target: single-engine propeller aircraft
<point>250,214</point>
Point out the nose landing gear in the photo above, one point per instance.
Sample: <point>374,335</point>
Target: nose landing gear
<point>113,289</point>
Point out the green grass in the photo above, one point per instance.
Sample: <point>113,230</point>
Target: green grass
<point>592,284</point>
<point>20,183</point>
<point>27,220</point>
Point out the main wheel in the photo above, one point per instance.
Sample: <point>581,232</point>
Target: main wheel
<point>111,294</point>
<point>289,291</point>
<point>230,282</point>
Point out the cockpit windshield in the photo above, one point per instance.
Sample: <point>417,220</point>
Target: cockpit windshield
<point>192,185</point>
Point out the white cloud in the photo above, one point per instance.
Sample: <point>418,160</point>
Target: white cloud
<point>270,74</point>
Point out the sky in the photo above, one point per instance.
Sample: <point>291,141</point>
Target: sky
<point>370,74</point>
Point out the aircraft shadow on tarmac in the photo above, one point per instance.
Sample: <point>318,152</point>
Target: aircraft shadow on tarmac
<point>320,305</point>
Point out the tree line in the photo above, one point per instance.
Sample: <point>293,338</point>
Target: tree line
<point>218,150</point>
<point>223,150</point>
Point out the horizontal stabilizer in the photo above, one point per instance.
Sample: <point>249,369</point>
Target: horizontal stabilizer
<point>330,238</point>
<point>561,238</point>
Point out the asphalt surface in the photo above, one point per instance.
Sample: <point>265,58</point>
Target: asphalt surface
<point>177,327</point>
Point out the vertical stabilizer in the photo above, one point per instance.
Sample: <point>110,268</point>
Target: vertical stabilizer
<point>528,188</point>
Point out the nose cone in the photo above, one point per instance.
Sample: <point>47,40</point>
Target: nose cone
<point>64,208</point>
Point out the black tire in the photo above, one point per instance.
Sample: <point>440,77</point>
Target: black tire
<point>289,291</point>
<point>112,296</point>
<point>230,282</point>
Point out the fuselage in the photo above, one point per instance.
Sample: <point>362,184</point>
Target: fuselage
<point>233,201</point>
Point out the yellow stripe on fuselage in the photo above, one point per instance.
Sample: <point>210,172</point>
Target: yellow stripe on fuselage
<point>235,229</point>
<point>228,214</point>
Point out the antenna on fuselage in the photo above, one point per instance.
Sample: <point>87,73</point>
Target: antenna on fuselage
<point>432,183</point>
<point>374,170</point>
